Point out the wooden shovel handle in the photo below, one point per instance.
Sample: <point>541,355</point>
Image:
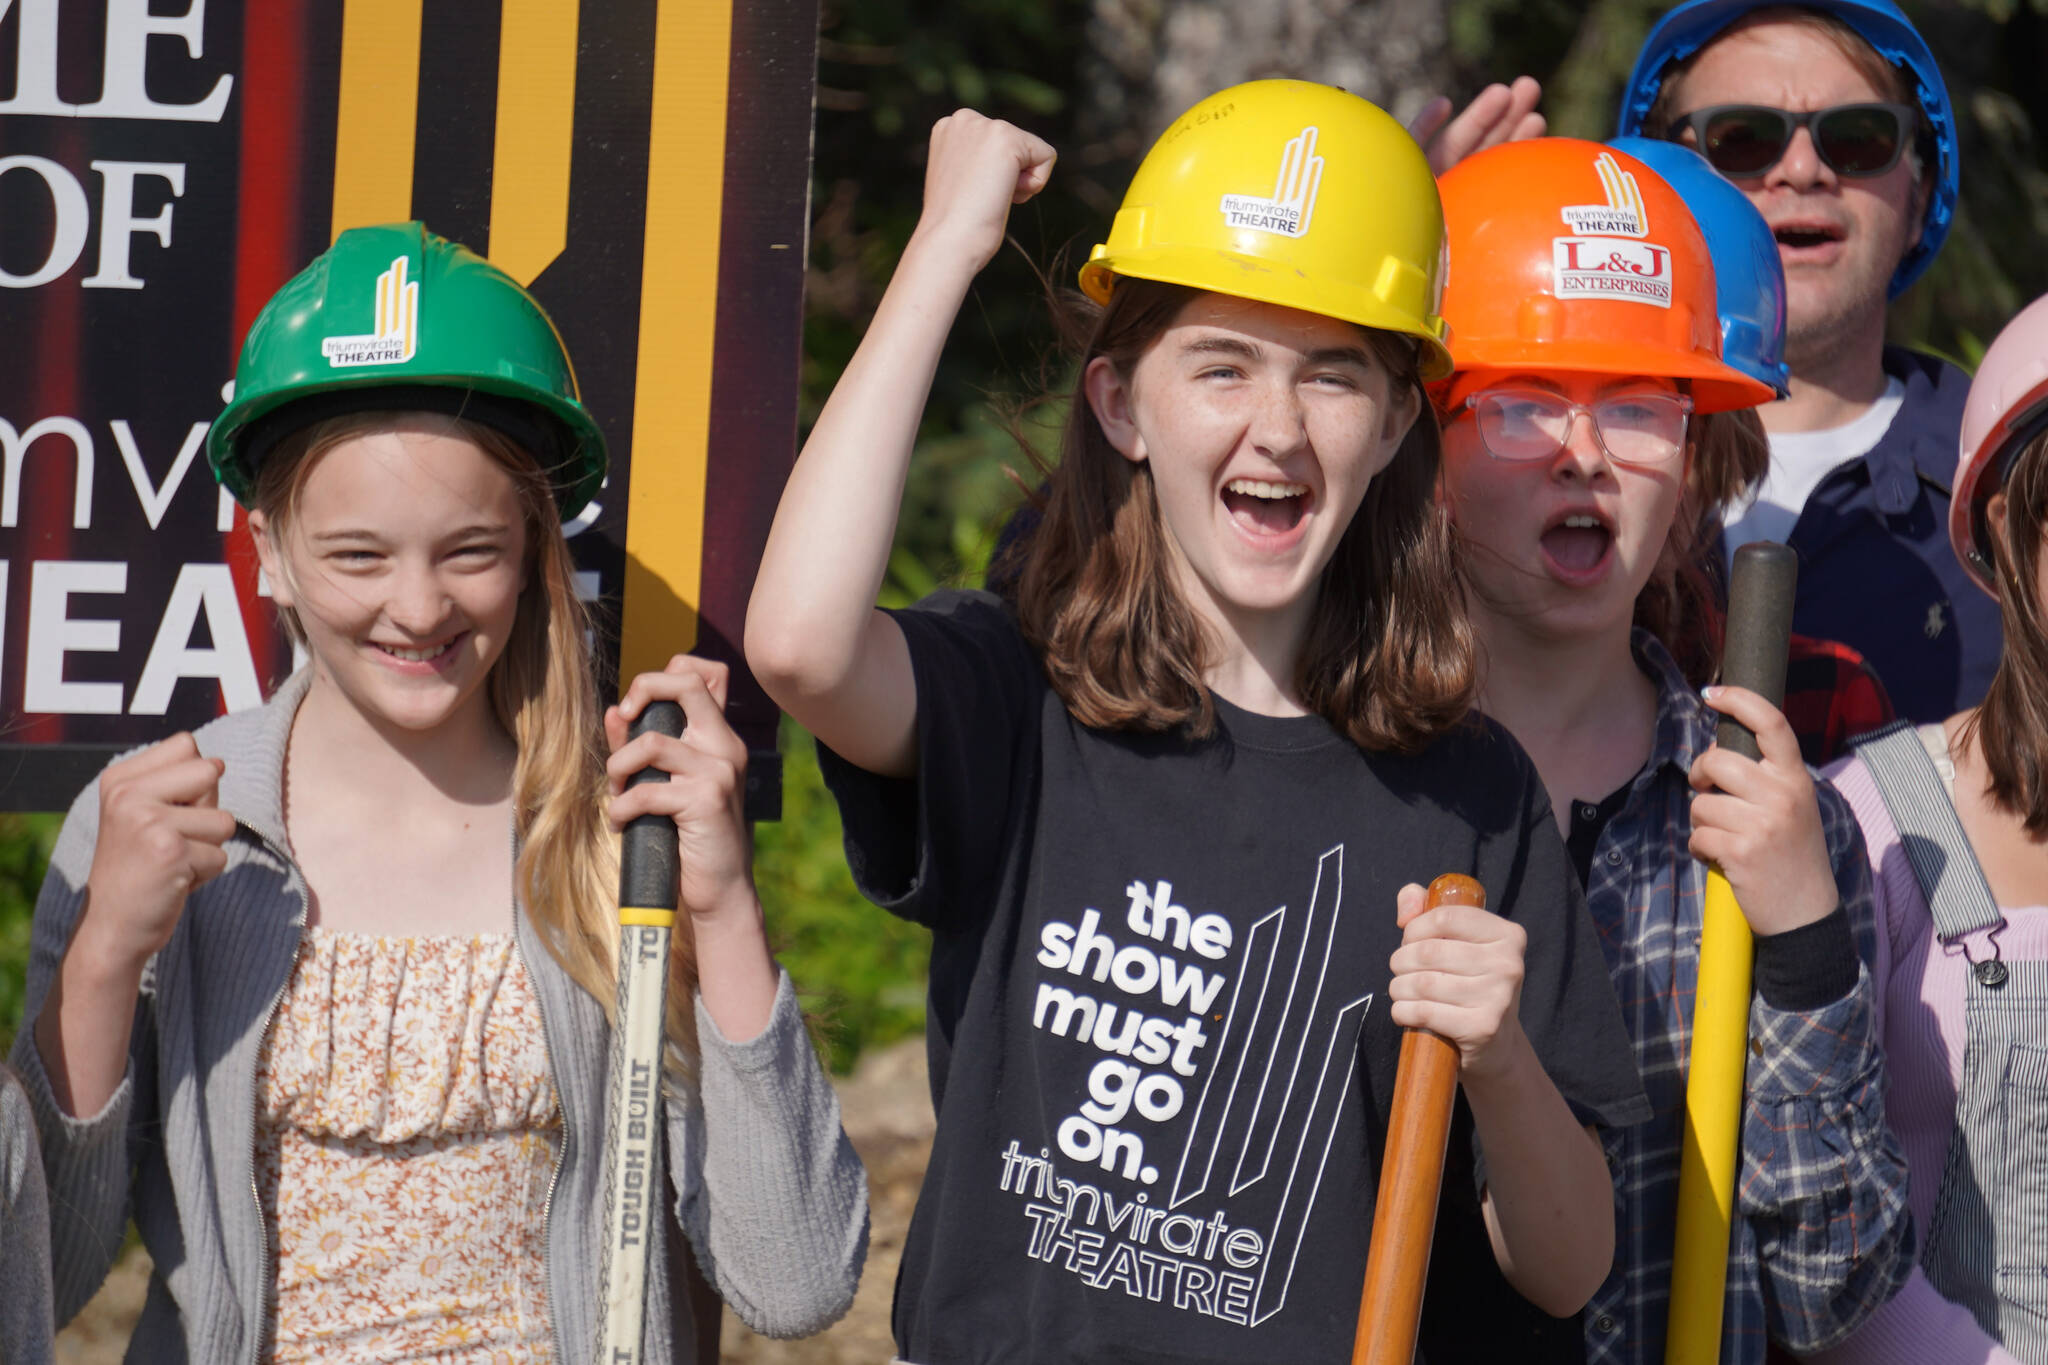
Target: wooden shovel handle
<point>1404,1218</point>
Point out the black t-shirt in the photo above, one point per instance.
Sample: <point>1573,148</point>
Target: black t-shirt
<point>1160,1049</point>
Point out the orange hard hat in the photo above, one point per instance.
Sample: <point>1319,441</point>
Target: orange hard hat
<point>1570,257</point>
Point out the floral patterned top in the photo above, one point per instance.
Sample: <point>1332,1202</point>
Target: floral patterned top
<point>406,1137</point>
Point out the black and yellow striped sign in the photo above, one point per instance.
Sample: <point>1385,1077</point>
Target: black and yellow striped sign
<point>641,165</point>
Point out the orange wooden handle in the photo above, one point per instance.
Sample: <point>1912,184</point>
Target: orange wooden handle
<point>1404,1218</point>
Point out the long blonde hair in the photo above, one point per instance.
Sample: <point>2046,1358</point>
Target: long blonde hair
<point>544,694</point>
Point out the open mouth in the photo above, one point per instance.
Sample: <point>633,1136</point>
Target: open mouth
<point>1806,236</point>
<point>1578,544</point>
<point>1269,509</point>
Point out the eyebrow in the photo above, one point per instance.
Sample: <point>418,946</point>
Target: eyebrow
<point>1222,346</point>
<point>364,535</point>
<point>1341,355</point>
<point>1237,346</point>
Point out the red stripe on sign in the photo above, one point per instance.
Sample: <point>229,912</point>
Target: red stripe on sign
<point>49,476</point>
<point>266,236</point>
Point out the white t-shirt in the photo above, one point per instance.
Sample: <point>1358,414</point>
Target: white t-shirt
<point>1799,461</point>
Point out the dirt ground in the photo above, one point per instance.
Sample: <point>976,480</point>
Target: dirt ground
<point>888,1115</point>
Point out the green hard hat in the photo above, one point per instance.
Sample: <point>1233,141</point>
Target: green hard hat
<point>395,318</point>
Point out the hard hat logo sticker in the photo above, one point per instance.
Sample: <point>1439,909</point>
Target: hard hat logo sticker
<point>1293,203</point>
<point>1604,260</point>
<point>397,335</point>
<point>1623,215</point>
<point>1611,268</point>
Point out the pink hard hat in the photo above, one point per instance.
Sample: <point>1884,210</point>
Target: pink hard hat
<point>2008,404</point>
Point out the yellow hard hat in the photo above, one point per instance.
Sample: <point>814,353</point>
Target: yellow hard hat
<point>1291,193</point>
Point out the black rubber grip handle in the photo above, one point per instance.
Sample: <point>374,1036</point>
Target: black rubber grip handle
<point>648,860</point>
<point>1759,632</point>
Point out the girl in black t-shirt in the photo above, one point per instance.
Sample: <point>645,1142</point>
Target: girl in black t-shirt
<point>1235,627</point>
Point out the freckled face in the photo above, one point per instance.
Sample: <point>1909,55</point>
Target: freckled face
<point>405,562</point>
<point>1263,427</point>
<point>1559,546</point>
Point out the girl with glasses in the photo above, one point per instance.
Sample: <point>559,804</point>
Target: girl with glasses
<point>1587,348</point>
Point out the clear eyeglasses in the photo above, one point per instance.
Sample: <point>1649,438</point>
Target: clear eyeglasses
<point>1518,425</point>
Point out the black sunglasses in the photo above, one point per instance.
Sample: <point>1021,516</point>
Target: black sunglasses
<point>1749,139</point>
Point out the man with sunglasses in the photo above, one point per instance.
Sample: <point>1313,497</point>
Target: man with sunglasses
<point>1831,115</point>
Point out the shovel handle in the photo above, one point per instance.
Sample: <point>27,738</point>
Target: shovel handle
<point>1761,588</point>
<point>648,863</point>
<point>1411,1176</point>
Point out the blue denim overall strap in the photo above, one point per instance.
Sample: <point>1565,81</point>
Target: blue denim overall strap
<point>1987,1245</point>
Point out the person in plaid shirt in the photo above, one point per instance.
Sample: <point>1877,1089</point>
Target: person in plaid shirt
<point>1569,475</point>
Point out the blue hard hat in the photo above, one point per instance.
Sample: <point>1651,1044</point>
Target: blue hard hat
<point>1749,279</point>
<point>1690,26</point>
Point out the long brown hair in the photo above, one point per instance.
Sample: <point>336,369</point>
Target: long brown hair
<point>2015,709</point>
<point>1388,657</point>
<point>544,694</point>
<point>1680,605</point>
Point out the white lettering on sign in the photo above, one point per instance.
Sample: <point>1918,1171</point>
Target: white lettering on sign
<point>1611,268</point>
<point>118,222</point>
<point>67,202</point>
<point>130,26</point>
<point>155,500</point>
<point>72,215</point>
<point>124,94</point>
<point>124,91</point>
<point>35,60</point>
<point>53,633</point>
<point>172,657</point>
<point>14,448</point>
<point>57,629</point>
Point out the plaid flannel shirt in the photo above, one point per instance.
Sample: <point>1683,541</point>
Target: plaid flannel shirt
<point>1831,695</point>
<point>1823,1236</point>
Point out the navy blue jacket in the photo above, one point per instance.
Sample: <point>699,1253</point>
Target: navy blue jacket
<point>1875,568</point>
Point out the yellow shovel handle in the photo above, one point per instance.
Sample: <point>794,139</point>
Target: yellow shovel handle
<point>1713,1130</point>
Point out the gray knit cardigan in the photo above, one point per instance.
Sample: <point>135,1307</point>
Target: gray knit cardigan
<point>767,1187</point>
<point>25,1325</point>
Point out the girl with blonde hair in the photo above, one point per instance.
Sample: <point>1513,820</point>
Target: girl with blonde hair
<point>321,991</point>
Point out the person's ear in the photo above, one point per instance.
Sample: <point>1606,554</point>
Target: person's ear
<point>1994,518</point>
<point>1923,193</point>
<point>1403,409</point>
<point>1109,398</point>
<point>271,559</point>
